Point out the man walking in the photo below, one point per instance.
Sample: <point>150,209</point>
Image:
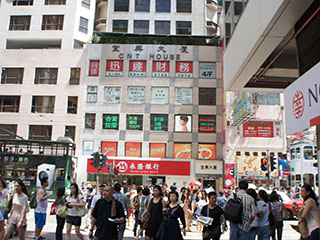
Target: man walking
<point>241,231</point>
<point>107,213</point>
<point>123,199</point>
<point>40,213</point>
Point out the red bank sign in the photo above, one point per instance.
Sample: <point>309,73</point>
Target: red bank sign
<point>147,167</point>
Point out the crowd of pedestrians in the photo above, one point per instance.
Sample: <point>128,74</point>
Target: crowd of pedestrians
<point>158,212</point>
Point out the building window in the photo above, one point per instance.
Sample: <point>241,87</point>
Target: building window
<point>42,104</point>
<point>22,3</point>
<point>163,6</point>
<point>121,5</point>
<point>75,76</point>
<point>90,121</point>
<point>9,103</point>
<point>238,153</point>
<point>46,76</point>
<point>183,28</point>
<point>83,27</point>
<point>12,75</point>
<point>238,8</point>
<point>8,131</point>
<point>255,154</point>
<point>70,131</point>
<point>86,3</point>
<point>134,122</point>
<point>266,98</point>
<point>141,26</point>
<point>142,6</point>
<point>52,22</point>
<point>120,26</point>
<point>19,23</point>
<point>264,154</point>
<point>162,27</point>
<point>159,122</point>
<point>136,94</point>
<point>72,105</point>
<point>247,154</point>
<point>92,94</point>
<point>207,123</point>
<point>55,2</point>
<point>159,95</point>
<point>207,96</point>
<point>184,6</point>
<point>112,94</point>
<point>110,121</point>
<point>183,95</point>
<point>38,132</point>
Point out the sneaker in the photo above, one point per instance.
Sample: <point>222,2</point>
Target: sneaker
<point>42,237</point>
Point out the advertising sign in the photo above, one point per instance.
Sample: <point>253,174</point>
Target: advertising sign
<point>110,121</point>
<point>133,149</point>
<point>183,95</point>
<point>147,167</point>
<point>184,69</point>
<point>87,147</point>
<point>159,122</point>
<point>94,68</point>
<point>112,94</point>
<point>206,151</point>
<point>160,68</point>
<point>182,150</point>
<point>207,123</point>
<point>136,94</point>
<point>266,129</point>
<point>109,148</point>
<point>134,122</point>
<point>229,176</point>
<point>160,95</point>
<point>137,68</point>
<point>302,101</point>
<point>157,150</point>
<point>207,70</point>
<point>114,68</point>
<point>183,123</point>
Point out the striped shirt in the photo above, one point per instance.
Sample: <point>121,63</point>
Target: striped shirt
<point>249,208</point>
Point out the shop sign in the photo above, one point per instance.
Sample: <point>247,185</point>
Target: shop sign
<point>159,95</point>
<point>94,68</point>
<point>182,151</point>
<point>266,129</point>
<point>160,68</point>
<point>207,123</point>
<point>112,94</point>
<point>159,122</point>
<point>206,151</point>
<point>133,149</point>
<point>183,95</point>
<point>136,94</point>
<point>157,150</point>
<point>147,167</point>
<point>87,147</point>
<point>302,101</point>
<point>110,121</point>
<point>137,68</point>
<point>184,69</point>
<point>207,70</point>
<point>229,176</point>
<point>134,122</point>
<point>109,148</point>
<point>114,68</point>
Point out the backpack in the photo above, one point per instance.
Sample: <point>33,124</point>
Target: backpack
<point>233,210</point>
<point>33,200</point>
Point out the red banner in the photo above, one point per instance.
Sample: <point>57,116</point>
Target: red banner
<point>109,148</point>
<point>137,68</point>
<point>157,150</point>
<point>147,167</point>
<point>184,69</point>
<point>133,149</point>
<point>114,68</point>
<point>94,68</point>
<point>160,68</point>
<point>258,129</point>
<point>229,179</point>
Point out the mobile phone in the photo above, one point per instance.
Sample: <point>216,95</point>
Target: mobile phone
<point>111,220</point>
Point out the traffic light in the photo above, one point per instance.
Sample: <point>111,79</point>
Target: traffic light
<point>109,170</point>
<point>273,163</point>
<point>95,159</point>
<point>103,160</point>
<point>116,170</point>
<point>315,164</point>
<point>264,164</point>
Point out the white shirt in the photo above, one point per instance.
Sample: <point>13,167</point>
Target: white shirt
<point>41,206</point>
<point>73,211</point>
<point>95,200</point>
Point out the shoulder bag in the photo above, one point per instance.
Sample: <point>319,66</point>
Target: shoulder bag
<point>211,233</point>
<point>82,211</point>
<point>272,218</point>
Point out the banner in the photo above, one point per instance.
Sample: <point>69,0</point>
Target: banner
<point>94,68</point>
<point>182,151</point>
<point>114,68</point>
<point>206,151</point>
<point>157,150</point>
<point>229,176</point>
<point>133,149</point>
<point>109,148</point>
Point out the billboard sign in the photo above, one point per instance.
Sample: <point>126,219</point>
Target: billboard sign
<point>160,68</point>
<point>137,68</point>
<point>114,68</point>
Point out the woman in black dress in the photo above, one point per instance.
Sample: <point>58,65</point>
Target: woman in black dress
<point>173,211</point>
<point>155,208</point>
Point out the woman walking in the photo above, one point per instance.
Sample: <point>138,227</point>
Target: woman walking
<point>60,202</point>
<point>173,211</point>
<point>19,210</point>
<point>264,231</point>
<point>255,224</point>
<point>143,204</point>
<point>198,203</point>
<point>74,201</point>
<point>155,209</point>
<point>187,208</point>
<point>277,208</point>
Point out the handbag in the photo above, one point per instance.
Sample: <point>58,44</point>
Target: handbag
<point>303,228</point>
<point>63,211</point>
<point>53,208</point>
<point>213,233</point>
<point>272,218</point>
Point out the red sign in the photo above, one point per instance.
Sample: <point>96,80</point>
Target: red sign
<point>114,68</point>
<point>94,68</point>
<point>286,172</point>
<point>137,68</point>
<point>298,104</point>
<point>147,167</point>
<point>109,148</point>
<point>158,150</point>
<point>258,129</point>
<point>160,68</point>
<point>229,175</point>
<point>184,69</point>
<point>133,149</point>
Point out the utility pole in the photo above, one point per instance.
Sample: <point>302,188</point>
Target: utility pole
<point>268,167</point>
<point>318,152</point>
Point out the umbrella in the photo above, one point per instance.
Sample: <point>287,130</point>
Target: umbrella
<point>194,183</point>
<point>252,186</point>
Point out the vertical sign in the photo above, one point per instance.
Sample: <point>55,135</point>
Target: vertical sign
<point>207,123</point>
<point>184,69</point>
<point>207,70</point>
<point>109,148</point>
<point>134,122</point>
<point>160,68</point>
<point>229,177</point>
<point>110,121</point>
<point>114,68</point>
<point>158,150</point>
<point>133,149</point>
<point>159,122</point>
<point>137,68</point>
<point>94,68</point>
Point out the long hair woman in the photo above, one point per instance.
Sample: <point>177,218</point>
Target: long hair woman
<point>277,208</point>
<point>60,201</point>
<point>264,231</point>
<point>19,210</point>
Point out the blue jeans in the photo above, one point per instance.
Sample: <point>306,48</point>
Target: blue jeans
<point>264,233</point>
<point>238,234</point>
<point>279,231</point>
<point>136,213</point>
<point>253,233</point>
<point>315,234</point>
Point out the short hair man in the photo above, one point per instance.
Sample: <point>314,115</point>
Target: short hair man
<point>123,199</point>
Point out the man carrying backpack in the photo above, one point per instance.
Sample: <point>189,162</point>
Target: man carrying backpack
<point>245,208</point>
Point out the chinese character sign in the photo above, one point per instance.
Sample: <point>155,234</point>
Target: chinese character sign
<point>207,70</point>
<point>109,148</point>
<point>136,94</point>
<point>133,149</point>
<point>182,150</point>
<point>134,122</point>
<point>137,68</point>
<point>159,95</point>
<point>184,69</point>
<point>258,129</point>
<point>94,68</point>
<point>160,69</point>
<point>157,150</point>
<point>207,123</point>
<point>206,151</point>
<point>111,121</point>
<point>159,122</point>
<point>114,68</point>
<point>112,94</point>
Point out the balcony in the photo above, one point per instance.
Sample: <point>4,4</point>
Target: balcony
<point>212,26</point>
<point>101,24</point>
<point>102,2</point>
<point>212,4</point>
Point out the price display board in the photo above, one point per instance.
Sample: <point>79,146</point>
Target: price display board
<point>134,122</point>
<point>207,123</point>
<point>207,70</point>
<point>110,121</point>
<point>159,122</point>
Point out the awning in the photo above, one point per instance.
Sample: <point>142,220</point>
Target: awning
<point>284,164</point>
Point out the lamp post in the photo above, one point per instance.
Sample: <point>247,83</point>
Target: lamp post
<point>268,167</point>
